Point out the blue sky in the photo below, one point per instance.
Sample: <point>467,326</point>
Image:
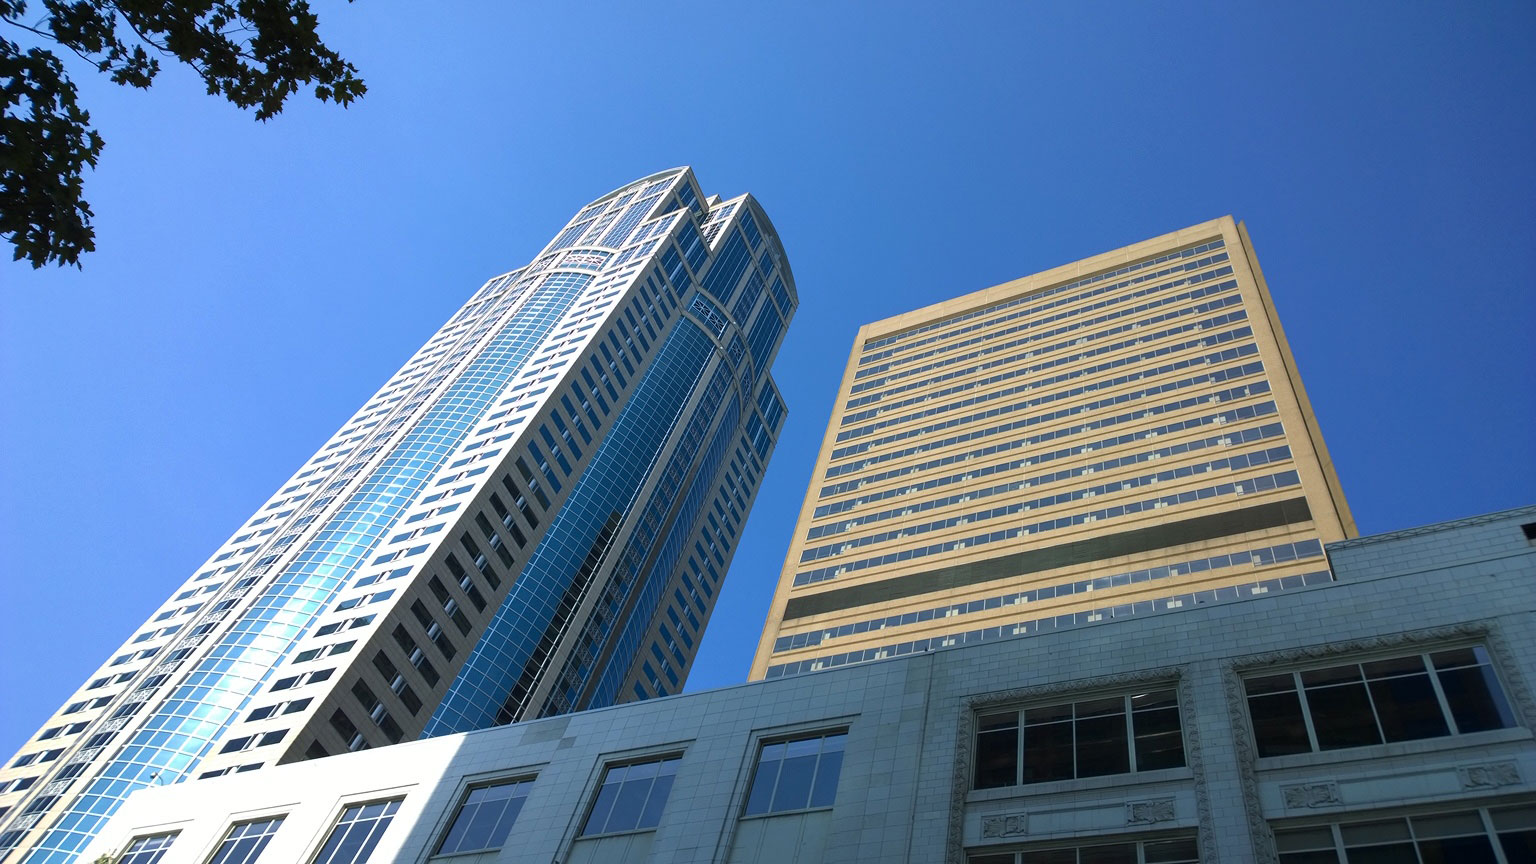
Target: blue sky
<point>254,283</point>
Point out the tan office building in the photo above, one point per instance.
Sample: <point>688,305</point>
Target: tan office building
<point>1124,435</point>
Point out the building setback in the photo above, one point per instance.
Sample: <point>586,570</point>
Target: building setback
<point>1104,439</point>
<point>532,517</point>
<point>1385,716</point>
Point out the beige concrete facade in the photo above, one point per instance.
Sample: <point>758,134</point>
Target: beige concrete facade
<point>1120,435</point>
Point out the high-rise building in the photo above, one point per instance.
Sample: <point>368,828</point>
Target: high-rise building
<point>532,517</point>
<point>1124,434</point>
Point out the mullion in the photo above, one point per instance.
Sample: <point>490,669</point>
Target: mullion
<point>1306,712</point>
<point>1370,698</point>
<point>1445,704</point>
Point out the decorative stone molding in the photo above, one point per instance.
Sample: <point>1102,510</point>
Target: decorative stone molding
<point>1311,795</point>
<point>1489,776</point>
<point>960,782</point>
<point>1189,718</point>
<point>1149,812</point>
<point>1012,825</point>
<point>1486,631</point>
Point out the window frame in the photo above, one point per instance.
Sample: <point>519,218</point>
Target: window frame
<point>1358,659</point>
<point>397,796</point>
<point>608,765</point>
<point>280,817</point>
<point>1483,810</point>
<point>1077,844</point>
<point>122,857</point>
<point>1070,698</point>
<point>468,786</point>
<point>755,755</point>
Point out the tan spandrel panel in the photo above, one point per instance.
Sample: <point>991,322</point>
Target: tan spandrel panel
<point>1013,614</point>
<point>1045,279</point>
<point>1315,474</point>
<point>1008,291</point>
<point>985,551</point>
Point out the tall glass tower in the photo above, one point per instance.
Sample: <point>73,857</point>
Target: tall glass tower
<point>532,517</point>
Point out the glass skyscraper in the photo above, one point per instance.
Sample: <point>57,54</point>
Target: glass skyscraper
<point>1119,436</point>
<point>532,517</point>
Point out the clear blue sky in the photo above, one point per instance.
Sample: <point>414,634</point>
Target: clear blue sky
<point>254,283</point>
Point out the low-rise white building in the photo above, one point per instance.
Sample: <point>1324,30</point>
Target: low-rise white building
<point>1386,714</point>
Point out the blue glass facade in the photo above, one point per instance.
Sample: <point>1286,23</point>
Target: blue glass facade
<point>591,597</point>
<point>595,403</point>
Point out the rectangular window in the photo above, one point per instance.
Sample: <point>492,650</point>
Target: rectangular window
<point>245,841</point>
<point>1176,851</point>
<point>632,797</point>
<point>486,817</point>
<point>357,832</point>
<point>1088,738</point>
<point>1450,692</point>
<point>797,774</point>
<point>147,850</point>
<point>1466,836</point>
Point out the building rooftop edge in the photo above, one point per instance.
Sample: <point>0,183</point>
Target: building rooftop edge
<point>894,324</point>
<point>1434,527</point>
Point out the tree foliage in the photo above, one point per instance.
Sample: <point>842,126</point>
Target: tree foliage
<point>255,53</point>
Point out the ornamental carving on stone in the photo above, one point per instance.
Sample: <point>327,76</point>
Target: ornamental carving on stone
<point>1486,631</point>
<point>1013,825</point>
<point>1149,812</point>
<point>1311,795</point>
<point>1489,776</point>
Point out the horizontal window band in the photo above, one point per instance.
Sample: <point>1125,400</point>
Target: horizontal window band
<point>1200,528</point>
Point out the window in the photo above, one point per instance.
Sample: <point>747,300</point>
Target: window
<point>245,840</point>
<point>1451,692</point>
<point>488,813</point>
<point>632,796</point>
<point>357,832</point>
<point>1469,836</point>
<point>1088,738</point>
<point>1177,851</point>
<point>796,774</point>
<point>147,850</point>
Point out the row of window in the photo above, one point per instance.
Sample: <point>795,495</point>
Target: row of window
<point>1051,623</point>
<point>1238,462</point>
<point>1035,296</point>
<point>1140,364</point>
<point>1402,698</point>
<point>1493,835</point>
<point>1176,850</point>
<point>1246,486</point>
<point>969,474</point>
<point>971,379</point>
<point>1111,302</point>
<point>1139,336</point>
<point>791,775</point>
<point>1245,413</point>
<point>1217,377</point>
<point>1263,556</point>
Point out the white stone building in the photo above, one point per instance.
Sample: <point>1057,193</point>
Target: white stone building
<point>1385,715</point>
